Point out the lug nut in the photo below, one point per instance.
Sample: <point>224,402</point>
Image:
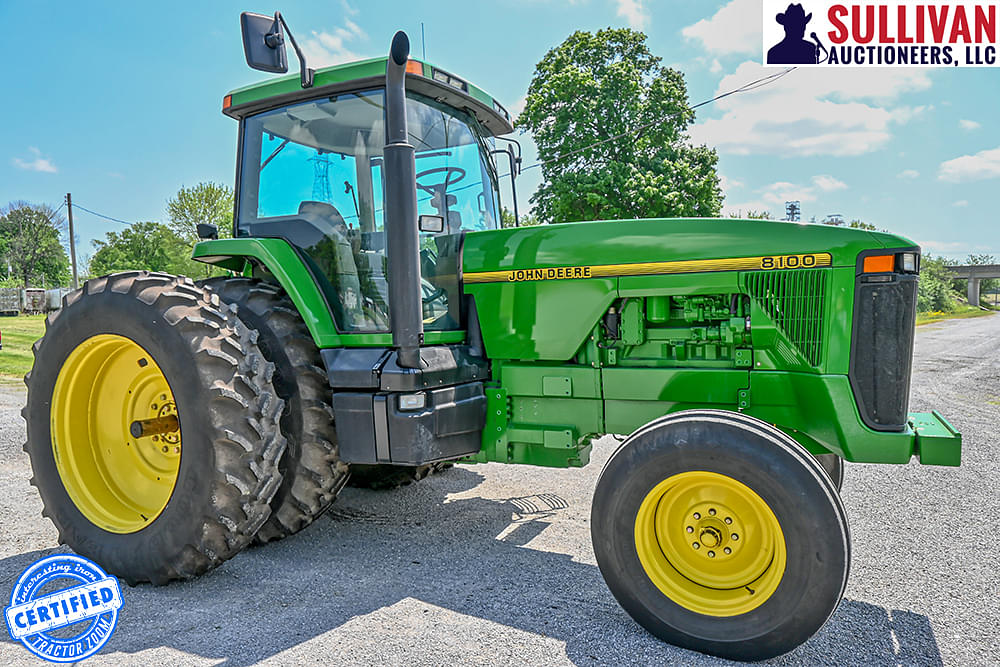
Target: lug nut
<point>711,554</point>
<point>165,449</point>
<point>697,515</point>
<point>163,397</point>
<point>690,529</point>
<point>177,450</point>
<point>735,537</point>
<point>696,545</point>
<point>712,512</point>
<point>728,550</point>
<point>728,520</point>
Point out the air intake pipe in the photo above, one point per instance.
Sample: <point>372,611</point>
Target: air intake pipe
<point>402,238</point>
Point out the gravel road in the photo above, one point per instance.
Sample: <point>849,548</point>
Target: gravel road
<point>492,564</point>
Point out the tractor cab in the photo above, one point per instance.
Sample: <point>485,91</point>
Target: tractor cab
<point>312,172</point>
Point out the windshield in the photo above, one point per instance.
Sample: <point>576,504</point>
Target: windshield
<point>312,173</point>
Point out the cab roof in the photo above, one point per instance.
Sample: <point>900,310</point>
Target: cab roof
<point>421,77</point>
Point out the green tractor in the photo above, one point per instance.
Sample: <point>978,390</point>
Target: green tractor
<point>378,321</point>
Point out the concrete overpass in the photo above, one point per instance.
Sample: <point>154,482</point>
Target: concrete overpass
<point>974,274</point>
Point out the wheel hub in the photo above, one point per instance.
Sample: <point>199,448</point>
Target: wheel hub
<point>109,387</point>
<point>710,543</point>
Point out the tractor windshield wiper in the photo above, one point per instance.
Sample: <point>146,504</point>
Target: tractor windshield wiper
<point>274,153</point>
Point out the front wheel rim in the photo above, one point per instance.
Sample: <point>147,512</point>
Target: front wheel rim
<point>710,543</point>
<point>118,481</point>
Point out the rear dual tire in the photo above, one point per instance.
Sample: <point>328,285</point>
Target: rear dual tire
<point>135,346</point>
<point>313,473</point>
<point>716,532</point>
<point>383,477</point>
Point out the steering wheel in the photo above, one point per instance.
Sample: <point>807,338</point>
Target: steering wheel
<point>443,186</point>
<point>435,295</point>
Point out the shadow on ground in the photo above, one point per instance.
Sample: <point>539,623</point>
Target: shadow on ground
<point>373,550</point>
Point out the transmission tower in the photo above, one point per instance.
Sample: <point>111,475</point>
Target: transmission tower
<point>321,178</point>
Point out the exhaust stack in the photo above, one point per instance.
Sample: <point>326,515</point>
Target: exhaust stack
<point>401,236</point>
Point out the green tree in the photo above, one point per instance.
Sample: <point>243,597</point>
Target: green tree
<point>206,202</point>
<point>934,289</point>
<point>29,242</point>
<point>857,223</point>
<point>524,219</point>
<point>610,123</point>
<point>150,246</point>
<point>751,214</point>
<point>861,224</point>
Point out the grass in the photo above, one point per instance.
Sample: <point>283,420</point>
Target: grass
<point>19,333</point>
<point>963,312</point>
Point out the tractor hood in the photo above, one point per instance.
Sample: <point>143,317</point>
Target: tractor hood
<point>664,240</point>
<point>546,287</point>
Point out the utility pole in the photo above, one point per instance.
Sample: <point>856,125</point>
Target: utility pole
<point>72,239</point>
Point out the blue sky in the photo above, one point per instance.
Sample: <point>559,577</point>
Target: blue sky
<point>119,103</point>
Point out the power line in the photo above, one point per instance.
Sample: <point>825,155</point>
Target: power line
<point>745,88</point>
<point>100,215</point>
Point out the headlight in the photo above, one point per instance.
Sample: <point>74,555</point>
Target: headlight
<point>412,401</point>
<point>909,262</point>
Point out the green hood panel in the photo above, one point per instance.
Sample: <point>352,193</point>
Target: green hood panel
<point>547,315</point>
<point>635,241</point>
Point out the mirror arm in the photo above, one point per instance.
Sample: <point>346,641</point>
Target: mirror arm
<point>518,157</point>
<point>305,72</point>
<point>509,152</point>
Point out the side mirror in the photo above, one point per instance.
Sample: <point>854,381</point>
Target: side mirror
<point>207,231</point>
<point>264,43</point>
<point>432,224</point>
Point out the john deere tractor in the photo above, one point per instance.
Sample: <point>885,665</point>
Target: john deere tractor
<point>377,319</point>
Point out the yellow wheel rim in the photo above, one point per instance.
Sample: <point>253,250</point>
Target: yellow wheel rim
<point>710,543</point>
<point>118,481</point>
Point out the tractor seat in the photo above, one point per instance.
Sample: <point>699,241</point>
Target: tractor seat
<point>334,257</point>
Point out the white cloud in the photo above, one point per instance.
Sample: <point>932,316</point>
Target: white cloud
<point>969,125</point>
<point>828,183</point>
<point>633,12</point>
<point>984,164</point>
<point>735,28</point>
<point>773,197</point>
<point>961,203</point>
<point>518,107</point>
<point>908,173</point>
<point>728,184</point>
<point>779,193</point>
<point>334,47</point>
<point>715,67</point>
<point>810,112</point>
<point>951,247</point>
<point>36,162</point>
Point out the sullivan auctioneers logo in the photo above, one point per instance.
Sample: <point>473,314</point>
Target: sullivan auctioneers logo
<point>905,33</point>
<point>64,608</point>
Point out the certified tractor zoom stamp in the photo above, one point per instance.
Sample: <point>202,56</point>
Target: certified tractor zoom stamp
<point>38,610</point>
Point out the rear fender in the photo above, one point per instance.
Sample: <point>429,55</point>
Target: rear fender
<point>281,260</point>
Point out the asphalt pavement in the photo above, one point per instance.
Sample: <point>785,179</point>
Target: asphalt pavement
<point>492,564</point>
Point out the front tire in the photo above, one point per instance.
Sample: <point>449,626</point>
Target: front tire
<point>150,348</point>
<point>834,467</point>
<point>718,533</point>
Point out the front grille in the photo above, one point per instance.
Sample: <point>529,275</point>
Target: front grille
<point>796,301</point>
<point>882,350</point>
